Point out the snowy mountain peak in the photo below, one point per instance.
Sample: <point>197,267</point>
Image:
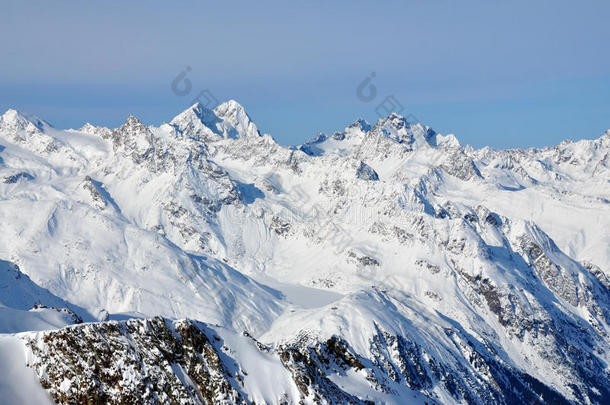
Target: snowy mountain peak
<point>19,121</point>
<point>132,121</point>
<point>88,128</point>
<point>133,139</point>
<point>200,111</point>
<point>197,122</point>
<point>234,114</point>
<point>382,138</point>
<point>394,116</point>
<point>228,120</point>
<point>401,130</point>
<point>91,129</point>
<point>132,128</point>
<point>230,107</point>
<point>395,120</point>
<point>362,124</point>
<point>394,127</point>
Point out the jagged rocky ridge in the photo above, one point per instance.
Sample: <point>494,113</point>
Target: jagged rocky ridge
<point>161,361</point>
<point>447,274</point>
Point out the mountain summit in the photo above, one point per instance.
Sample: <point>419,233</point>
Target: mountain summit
<point>228,120</point>
<point>16,120</point>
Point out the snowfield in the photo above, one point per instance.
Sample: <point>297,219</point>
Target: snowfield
<point>202,262</point>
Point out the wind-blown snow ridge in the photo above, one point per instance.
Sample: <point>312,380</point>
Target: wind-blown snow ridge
<point>385,262</point>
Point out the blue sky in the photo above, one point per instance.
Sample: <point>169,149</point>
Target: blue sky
<point>505,74</point>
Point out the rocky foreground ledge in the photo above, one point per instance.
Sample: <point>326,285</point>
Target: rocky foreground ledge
<point>150,361</point>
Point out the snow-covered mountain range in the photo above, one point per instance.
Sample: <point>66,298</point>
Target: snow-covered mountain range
<point>202,262</point>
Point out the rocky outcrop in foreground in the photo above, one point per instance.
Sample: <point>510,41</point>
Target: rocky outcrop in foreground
<point>156,360</point>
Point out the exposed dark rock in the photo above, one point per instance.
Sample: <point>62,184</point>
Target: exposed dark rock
<point>362,259</point>
<point>424,264</point>
<point>365,172</point>
<point>279,226</point>
<point>311,365</point>
<point>17,177</point>
<point>132,362</point>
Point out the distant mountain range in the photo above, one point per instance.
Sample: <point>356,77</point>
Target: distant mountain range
<point>202,262</point>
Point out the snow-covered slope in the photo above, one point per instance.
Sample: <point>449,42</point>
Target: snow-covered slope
<point>385,262</point>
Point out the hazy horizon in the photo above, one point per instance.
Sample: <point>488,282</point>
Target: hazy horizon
<point>508,75</point>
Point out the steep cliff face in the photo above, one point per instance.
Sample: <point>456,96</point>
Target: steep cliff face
<point>148,361</point>
<point>379,263</point>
